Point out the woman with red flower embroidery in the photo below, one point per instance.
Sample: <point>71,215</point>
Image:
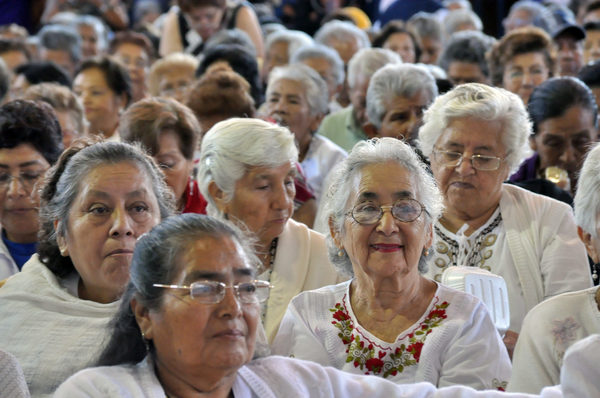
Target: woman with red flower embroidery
<point>389,320</point>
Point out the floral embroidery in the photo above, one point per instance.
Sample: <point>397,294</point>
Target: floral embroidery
<point>380,361</point>
<point>564,334</point>
<point>499,385</point>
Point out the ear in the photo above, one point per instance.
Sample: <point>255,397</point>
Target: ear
<point>532,142</point>
<point>587,240</point>
<point>60,240</point>
<point>219,197</point>
<point>337,239</point>
<point>142,317</point>
<point>370,130</point>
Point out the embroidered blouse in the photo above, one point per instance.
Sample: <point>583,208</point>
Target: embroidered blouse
<point>454,341</point>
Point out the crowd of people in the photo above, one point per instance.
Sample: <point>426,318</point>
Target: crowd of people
<point>262,199</point>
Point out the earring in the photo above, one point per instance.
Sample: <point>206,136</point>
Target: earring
<point>426,252</point>
<point>340,253</point>
<point>146,343</point>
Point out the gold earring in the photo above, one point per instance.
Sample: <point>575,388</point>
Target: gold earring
<point>426,252</point>
<point>340,253</point>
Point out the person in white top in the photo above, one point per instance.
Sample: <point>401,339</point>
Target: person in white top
<point>551,327</point>
<point>474,136</point>
<point>390,320</point>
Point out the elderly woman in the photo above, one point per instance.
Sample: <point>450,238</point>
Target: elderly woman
<point>30,142</point>
<point>429,30</point>
<point>565,121</point>
<point>297,98</point>
<point>397,37</point>
<point>396,99</point>
<point>389,320</point>
<point>96,203</point>
<point>554,325</point>
<point>246,173</point>
<point>280,46</point>
<point>521,61</point>
<point>463,58</point>
<point>135,51</point>
<point>169,132</point>
<point>172,75</point>
<point>104,87</point>
<point>474,136</point>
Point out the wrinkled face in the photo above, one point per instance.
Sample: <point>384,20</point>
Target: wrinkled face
<point>19,208</point>
<point>325,69</point>
<point>358,98</point>
<point>468,192</point>
<point>175,83</point>
<point>388,247</point>
<point>564,141</point>
<point>115,206</point>
<point>431,49</point>
<point>403,116</point>
<point>288,105</point>
<point>524,72</point>
<point>137,62</point>
<point>591,46</point>
<point>277,55</point>
<point>206,20</point>
<point>59,57</point>
<point>402,44</point>
<point>192,338</point>
<point>89,41</point>
<point>465,72</point>
<point>345,48</point>
<point>176,167</point>
<point>569,55</point>
<point>263,200</point>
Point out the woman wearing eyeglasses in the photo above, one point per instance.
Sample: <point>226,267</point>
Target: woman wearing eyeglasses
<point>389,320</point>
<point>475,135</point>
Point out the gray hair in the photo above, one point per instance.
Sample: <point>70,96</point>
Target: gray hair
<point>315,87</point>
<point>230,147</point>
<point>467,46</point>
<point>342,31</point>
<point>482,102</point>
<point>232,36</point>
<point>391,81</point>
<point>64,182</point>
<point>426,25</point>
<point>587,197</point>
<point>62,38</point>
<point>294,38</point>
<point>321,51</point>
<point>462,16</point>
<point>99,27</point>
<point>346,174</point>
<point>540,15</point>
<point>368,61</point>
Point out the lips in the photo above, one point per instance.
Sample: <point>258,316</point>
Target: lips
<point>387,247</point>
<point>119,252</point>
<point>230,333</point>
<point>462,185</point>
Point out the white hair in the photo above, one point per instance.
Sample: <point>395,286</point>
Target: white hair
<point>368,61</point>
<point>426,25</point>
<point>587,197</point>
<point>315,87</point>
<point>320,51</point>
<point>230,147</point>
<point>482,102</point>
<point>342,31</point>
<point>294,38</point>
<point>397,80</point>
<point>462,16</point>
<point>364,153</point>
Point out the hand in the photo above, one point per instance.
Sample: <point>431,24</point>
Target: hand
<point>510,340</point>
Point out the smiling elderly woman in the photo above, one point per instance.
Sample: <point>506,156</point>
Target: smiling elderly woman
<point>474,136</point>
<point>95,203</point>
<point>247,169</point>
<point>389,320</point>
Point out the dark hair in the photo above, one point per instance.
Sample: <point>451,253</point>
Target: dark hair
<point>7,45</point>
<point>116,75</point>
<point>63,182</point>
<point>467,46</point>
<point>555,96</point>
<point>595,25</point>
<point>134,38</point>
<point>155,261</point>
<point>240,60</point>
<point>397,26</point>
<point>591,6</point>
<point>186,5</point>
<point>44,72</point>
<point>145,120</point>
<point>590,74</point>
<point>33,123</point>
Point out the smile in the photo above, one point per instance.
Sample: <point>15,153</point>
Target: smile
<point>387,247</point>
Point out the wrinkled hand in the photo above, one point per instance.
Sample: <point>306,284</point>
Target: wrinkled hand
<point>510,340</point>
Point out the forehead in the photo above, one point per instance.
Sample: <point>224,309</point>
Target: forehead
<point>459,68</point>
<point>321,65</point>
<point>130,49</point>
<point>399,38</point>
<point>397,103</point>
<point>473,134</point>
<point>575,120</point>
<point>20,154</point>
<point>527,59</point>
<point>383,182</point>
<point>287,86</point>
<point>255,172</point>
<point>105,177</point>
<point>90,76</point>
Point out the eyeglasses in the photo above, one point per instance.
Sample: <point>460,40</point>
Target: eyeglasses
<point>27,179</point>
<point>479,162</point>
<point>213,292</point>
<point>405,210</point>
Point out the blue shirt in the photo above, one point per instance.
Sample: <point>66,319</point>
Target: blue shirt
<point>20,252</point>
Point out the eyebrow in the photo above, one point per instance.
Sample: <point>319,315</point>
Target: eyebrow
<point>217,276</point>
<point>368,195</point>
<point>106,195</point>
<point>24,164</point>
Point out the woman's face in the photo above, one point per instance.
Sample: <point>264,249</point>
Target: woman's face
<point>401,44</point>
<point>176,167</point>
<point>89,41</point>
<point>194,339</point>
<point>403,116</point>
<point>174,83</point>
<point>101,104</point>
<point>564,141</point>
<point>288,105</point>
<point>524,72</point>
<point>137,62</point>
<point>19,209</point>
<point>470,193</point>
<point>115,206</point>
<point>263,200</point>
<point>205,20</point>
<point>389,247</point>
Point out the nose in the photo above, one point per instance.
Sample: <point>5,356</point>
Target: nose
<point>387,224</point>
<point>280,199</point>
<point>527,79</point>
<point>122,225</point>
<point>568,157</point>
<point>16,188</point>
<point>465,166</point>
<point>230,306</point>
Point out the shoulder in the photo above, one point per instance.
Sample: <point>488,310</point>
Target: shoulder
<point>338,117</point>
<point>325,296</point>
<point>518,196</point>
<point>565,303</point>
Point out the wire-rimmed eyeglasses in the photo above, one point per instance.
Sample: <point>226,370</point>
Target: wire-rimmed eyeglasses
<point>27,179</point>
<point>405,210</point>
<point>479,162</point>
<point>213,292</point>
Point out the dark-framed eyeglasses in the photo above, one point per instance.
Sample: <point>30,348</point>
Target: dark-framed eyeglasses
<point>213,292</point>
<point>479,162</point>
<point>405,210</point>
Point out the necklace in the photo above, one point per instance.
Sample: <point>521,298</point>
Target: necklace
<point>270,255</point>
<point>595,272</point>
